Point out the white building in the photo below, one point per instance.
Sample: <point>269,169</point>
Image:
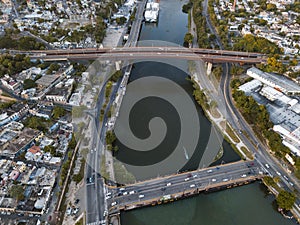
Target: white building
<point>279,83</point>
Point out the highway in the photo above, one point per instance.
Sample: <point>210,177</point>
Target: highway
<point>180,183</point>
<point>269,163</point>
<point>208,55</point>
<point>96,205</point>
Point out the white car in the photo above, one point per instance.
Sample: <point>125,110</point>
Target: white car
<point>209,171</point>
<point>169,184</point>
<point>244,175</point>
<point>186,179</point>
<point>213,180</point>
<point>279,174</point>
<point>192,185</point>
<point>141,196</point>
<point>267,165</point>
<point>131,192</point>
<point>125,193</point>
<point>113,204</point>
<point>225,179</point>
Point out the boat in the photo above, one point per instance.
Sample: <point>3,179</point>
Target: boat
<point>151,12</point>
<point>185,153</point>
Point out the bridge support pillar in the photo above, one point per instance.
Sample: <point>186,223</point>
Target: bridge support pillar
<point>209,67</point>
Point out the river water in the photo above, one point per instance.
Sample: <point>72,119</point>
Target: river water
<point>241,206</point>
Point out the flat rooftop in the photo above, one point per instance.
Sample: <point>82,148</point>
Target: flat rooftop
<point>46,80</point>
<point>288,85</point>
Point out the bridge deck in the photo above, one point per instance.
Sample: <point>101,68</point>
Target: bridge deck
<point>170,188</point>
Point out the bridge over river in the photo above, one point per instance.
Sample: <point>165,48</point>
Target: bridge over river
<point>165,189</point>
<point>121,53</point>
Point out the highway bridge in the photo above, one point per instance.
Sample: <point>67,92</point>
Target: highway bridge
<point>170,188</point>
<point>120,53</point>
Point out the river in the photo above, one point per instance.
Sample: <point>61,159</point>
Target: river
<point>241,206</point>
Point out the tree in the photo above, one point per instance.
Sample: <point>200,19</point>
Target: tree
<point>285,200</point>
<point>36,123</point>
<point>121,20</point>
<point>17,192</point>
<point>50,148</point>
<point>186,8</point>
<point>28,83</point>
<point>188,38</point>
<point>58,112</point>
<point>110,137</point>
<point>73,142</point>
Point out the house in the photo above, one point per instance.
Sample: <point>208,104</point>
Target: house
<point>20,143</point>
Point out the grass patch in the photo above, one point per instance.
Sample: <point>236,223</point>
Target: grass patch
<point>122,175</point>
<point>231,133</point>
<point>80,222</point>
<point>214,112</point>
<point>103,170</point>
<point>269,181</point>
<point>78,177</point>
<point>247,152</point>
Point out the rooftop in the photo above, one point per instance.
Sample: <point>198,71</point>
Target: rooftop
<point>46,80</point>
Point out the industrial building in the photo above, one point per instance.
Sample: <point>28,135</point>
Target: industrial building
<point>280,83</point>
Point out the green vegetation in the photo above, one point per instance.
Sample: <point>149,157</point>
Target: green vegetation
<point>115,77</point>
<point>14,64</point>
<point>78,111</point>
<point>103,168</point>
<point>28,83</point>
<point>58,112</point>
<point>247,153</point>
<point>37,123</point>
<point>72,143</point>
<point>80,222</point>
<point>200,96</point>
<point>200,23</point>
<point>285,200</point>
<point>17,192</point>
<point>110,139</point>
<point>79,68</point>
<point>269,181</point>
<point>6,105</point>
<point>230,132</point>
<point>217,71</point>
<point>122,175</point>
<point>78,177</point>
<point>250,43</point>
<point>121,20</point>
<point>53,68</point>
<point>23,43</point>
<point>258,116</point>
<point>188,38</point>
<point>273,65</point>
<point>187,7</point>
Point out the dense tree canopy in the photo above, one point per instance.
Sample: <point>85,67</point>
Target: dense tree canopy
<point>14,64</point>
<point>58,112</point>
<point>285,200</point>
<point>17,192</point>
<point>251,43</point>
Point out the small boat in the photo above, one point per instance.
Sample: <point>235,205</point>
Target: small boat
<point>185,153</point>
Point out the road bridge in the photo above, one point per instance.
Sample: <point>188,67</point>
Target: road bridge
<point>170,188</point>
<point>208,55</point>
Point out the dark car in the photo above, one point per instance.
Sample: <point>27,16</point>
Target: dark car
<point>77,201</point>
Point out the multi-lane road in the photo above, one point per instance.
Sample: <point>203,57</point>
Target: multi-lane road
<point>260,150</point>
<point>209,55</point>
<point>181,183</point>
